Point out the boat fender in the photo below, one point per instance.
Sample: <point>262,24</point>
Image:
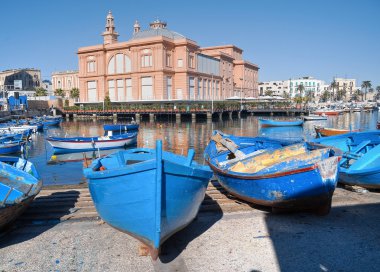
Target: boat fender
<point>102,168</point>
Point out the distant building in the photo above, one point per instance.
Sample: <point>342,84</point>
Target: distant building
<point>346,85</point>
<point>311,85</point>
<point>21,81</point>
<point>66,80</point>
<point>160,64</point>
<point>276,88</point>
<point>46,84</point>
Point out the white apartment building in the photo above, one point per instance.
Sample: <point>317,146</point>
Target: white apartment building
<point>310,84</point>
<point>277,88</point>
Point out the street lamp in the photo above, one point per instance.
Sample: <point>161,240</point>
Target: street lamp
<point>212,93</point>
<point>241,93</point>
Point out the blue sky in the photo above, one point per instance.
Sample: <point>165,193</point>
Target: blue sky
<point>286,38</point>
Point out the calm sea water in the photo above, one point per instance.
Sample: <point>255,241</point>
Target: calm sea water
<point>177,137</point>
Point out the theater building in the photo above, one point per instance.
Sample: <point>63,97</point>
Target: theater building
<point>160,64</point>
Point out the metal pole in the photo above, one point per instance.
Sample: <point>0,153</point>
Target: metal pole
<point>212,93</point>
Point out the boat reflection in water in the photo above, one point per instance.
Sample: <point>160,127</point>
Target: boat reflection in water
<point>288,133</point>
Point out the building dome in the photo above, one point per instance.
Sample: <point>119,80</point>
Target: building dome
<point>157,28</point>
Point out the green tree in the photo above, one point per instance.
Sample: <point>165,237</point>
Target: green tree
<point>356,95</point>
<point>301,89</point>
<point>377,95</point>
<point>107,102</point>
<point>325,96</point>
<point>286,95</point>
<point>366,85</point>
<point>59,92</point>
<point>66,103</point>
<point>74,93</point>
<point>268,93</point>
<point>41,91</point>
<point>340,94</point>
<point>333,85</point>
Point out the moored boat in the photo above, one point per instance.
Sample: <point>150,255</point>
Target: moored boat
<point>361,157</point>
<point>19,184</point>
<point>79,144</point>
<point>328,112</point>
<point>149,194</point>
<point>243,145</point>
<point>300,176</point>
<point>278,123</point>
<point>314,117</point>
<point>325,132</point>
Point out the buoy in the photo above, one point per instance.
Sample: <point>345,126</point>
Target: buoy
<point>54,157</point>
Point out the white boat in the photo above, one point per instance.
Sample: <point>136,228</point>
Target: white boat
<point>313,117</point>
<point>79,144</point>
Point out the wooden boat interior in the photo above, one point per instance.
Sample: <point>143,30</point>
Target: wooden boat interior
<point>280,160</point>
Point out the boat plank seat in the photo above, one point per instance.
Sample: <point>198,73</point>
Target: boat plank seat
<point>354,154</point>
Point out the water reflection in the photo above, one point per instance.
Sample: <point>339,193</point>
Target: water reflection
<point>177,137</point>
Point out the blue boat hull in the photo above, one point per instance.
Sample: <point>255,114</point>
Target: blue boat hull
<point>132,198</point>
<point>9,149</point>
<point>274,123</point>
<point>306,190</point>
<point>366,180</point>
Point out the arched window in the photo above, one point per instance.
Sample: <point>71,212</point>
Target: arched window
<point>119,64</point>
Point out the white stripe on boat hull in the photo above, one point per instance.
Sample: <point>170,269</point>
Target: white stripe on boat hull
<point>72,145</point>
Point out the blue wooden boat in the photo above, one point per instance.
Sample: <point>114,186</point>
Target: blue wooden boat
<point>79,144</point>
<point>121,127</point>
<point>149,194</point>
<point>19,184</point>
<point>277,123</point>
<point>11,143</point>
<point>300,176</point>
<point>361,158</point>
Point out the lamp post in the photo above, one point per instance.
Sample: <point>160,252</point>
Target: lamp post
<point>212,93</point>
<point>241,93</point>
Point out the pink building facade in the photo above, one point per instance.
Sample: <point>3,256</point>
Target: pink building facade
<point>160,64</point>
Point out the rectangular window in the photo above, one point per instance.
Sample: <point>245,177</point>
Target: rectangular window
<point>91,91</point>
<point>191,88</point>
<point>111,90</point>
<point>191,61</point>
<point>180,63</point>
<point>146,88</point>
<point>199,88</point>
<point>169,87</point>
<point>90,66</point>
<point>146,61</point>
<point>120,90</point>
<point>217,89</point>
<point>168,60</point>
<point>208,89</point>
<point>128,85</point>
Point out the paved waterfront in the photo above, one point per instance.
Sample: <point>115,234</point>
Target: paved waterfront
<point>249,240</point>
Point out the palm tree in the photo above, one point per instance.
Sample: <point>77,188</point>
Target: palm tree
<point>377,93</point>
<point>59,92</point>
<point>41,91</point>
<point>325,96</point>
<point>340,94</point>
<point>365,85</point>
<point>301,89</point>
<point>74,93</point>
<point>333,85</point>
<point>268,93</point>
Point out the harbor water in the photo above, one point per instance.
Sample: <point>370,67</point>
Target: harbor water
<point>177,137</point>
